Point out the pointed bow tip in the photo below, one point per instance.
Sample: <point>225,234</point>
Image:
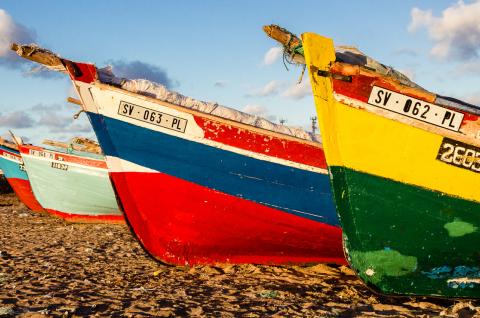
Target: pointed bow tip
<point>14,46</point>
<point>267,29</point>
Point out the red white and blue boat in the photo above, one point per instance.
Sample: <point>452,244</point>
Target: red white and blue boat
<point>12,166</point>
<point>201,183</point>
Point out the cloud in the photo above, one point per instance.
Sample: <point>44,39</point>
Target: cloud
<point>141,70</point>
<point>11,31</point>
<point>54,120</point>
<point>259,111</point>
<point>271,88</point>
<point>468,68</point>
<point>456,33</point>
<point>16,119</point>
<point>57,118</point>
<point>47,108</point>
<point>81,127</point>
<point>298,91</point>
<point>220,83</point>
<point>272,55</point>
<point>43,72</point>
<point>72,128</point>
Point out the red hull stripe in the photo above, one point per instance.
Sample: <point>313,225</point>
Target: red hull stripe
<point>67,158</point>
<point>11,153</point>
<point>180,222</point>
<point>24,192</point>
<point>87,218</point>
<point>270,145</point>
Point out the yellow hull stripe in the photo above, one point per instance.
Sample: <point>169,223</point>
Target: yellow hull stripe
<point>359,140</point>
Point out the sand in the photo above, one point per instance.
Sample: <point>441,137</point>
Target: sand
<point>52,268</point>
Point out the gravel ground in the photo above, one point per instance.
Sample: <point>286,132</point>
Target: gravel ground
<point>50,268</point>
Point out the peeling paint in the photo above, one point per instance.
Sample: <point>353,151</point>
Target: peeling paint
<point>386,262</point>
<point>463,282</point>
<point>457,277</point>
<point>369,272</point>
<point>459,228</point>
<point>438,272</point>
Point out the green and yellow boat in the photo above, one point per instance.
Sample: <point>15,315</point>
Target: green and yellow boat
<point>405,170</point>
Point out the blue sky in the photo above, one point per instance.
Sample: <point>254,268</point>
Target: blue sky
<point>215,51</point>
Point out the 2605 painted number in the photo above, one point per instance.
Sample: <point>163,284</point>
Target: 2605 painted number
<point>152,116</point>
<point>415,108</point>
<point>459,154</point>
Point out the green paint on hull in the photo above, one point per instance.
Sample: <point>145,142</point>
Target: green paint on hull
<point>399,238</point>
<point>459,228</point>
<point>378,264</point>
<point>79,190</point>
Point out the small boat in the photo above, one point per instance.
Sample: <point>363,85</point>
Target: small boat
<point>12,166</point>
<point>405,167</point>
<point>202,183</point>
<point>70,183</point>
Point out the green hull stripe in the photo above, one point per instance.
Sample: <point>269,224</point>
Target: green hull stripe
<point>404,239</point>
<point>79,190</point>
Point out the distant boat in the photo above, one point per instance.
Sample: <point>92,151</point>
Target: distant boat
<point>12,166</point>
<point>405,166</point>
<point>71,184</point>
<point>201,183</point>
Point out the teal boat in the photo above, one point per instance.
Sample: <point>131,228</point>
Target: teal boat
<point>71,184</point>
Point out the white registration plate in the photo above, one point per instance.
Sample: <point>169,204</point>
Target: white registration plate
<point>43,154</point>
<point>415,108</point>
<point>151,116</point>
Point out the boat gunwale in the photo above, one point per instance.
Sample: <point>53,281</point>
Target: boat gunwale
<point>23,152</point>
<point>342,68</point>
<point>105,86</point>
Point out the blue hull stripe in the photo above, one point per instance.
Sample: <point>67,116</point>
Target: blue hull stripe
<point>11,169</point>
<point>289,189</point>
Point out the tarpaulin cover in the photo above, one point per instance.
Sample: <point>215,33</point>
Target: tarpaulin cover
<point>159,91</point>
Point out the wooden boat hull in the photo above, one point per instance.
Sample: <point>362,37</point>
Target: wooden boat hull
<point>410,220</point>
<point>214,192</point>
<point>11,165</point>
<point>71,187</point>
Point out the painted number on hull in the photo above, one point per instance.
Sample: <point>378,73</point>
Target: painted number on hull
<point>60,166</point>
<point>11,157</point>
<point>21,167</point>
<point>152,116</point>
<point>415,108</point>
<point>459,154</point>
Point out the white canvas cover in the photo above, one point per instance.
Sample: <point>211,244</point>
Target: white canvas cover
<point>160,92</point>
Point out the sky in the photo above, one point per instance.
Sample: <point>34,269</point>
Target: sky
<point>217,51</point>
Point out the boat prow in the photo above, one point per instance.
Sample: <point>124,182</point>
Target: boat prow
<point>405,168</point>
